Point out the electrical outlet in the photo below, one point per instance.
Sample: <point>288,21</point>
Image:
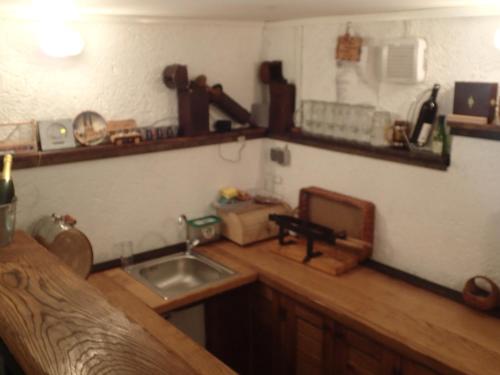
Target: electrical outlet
<point>281,155</point>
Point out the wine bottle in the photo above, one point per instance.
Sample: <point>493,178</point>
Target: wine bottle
<point>426,117</point>
<point>6,184</point>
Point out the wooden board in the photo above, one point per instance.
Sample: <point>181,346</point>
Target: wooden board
<point>334,261</point>
<point>53,322</point>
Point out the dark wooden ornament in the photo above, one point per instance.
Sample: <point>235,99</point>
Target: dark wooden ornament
<point>479,298</point>
<point>282,104</point>
<point>476,99</point>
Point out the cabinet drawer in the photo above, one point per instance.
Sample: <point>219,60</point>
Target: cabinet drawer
<point>357,354</point>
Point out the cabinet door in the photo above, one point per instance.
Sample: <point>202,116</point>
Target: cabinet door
<point>310,350</point>
<point>357,354</point>
<point>409,367</point>
<point>227,328</point>
<point>264,347</point>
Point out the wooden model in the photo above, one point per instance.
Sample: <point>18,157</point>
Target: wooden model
<point>342,213</point>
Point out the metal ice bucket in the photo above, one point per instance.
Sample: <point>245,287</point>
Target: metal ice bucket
<point>7,222</point>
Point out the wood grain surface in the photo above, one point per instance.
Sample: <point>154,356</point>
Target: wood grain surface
<point>169,336</point>
<point>432,330</point>
<point>56,323</point>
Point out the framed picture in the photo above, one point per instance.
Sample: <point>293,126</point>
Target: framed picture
<point>19,137</point>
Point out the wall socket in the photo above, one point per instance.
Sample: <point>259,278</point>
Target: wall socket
<point>281,155</point>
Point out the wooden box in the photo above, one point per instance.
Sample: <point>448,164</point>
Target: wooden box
<point>193,112</point>
<point>281,108</point>
<point>251,223</point>
<point>475,99</point>
<point>342,213</point>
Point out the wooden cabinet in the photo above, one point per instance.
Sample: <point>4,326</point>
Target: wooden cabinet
<point>265,341</point>
<point>286,338</point>
<point>408,367</point>
<point>356,354</point>
<point>227,328</point>
<point>311,348</point>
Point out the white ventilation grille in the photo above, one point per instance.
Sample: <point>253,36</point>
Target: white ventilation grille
<point>403,60</point>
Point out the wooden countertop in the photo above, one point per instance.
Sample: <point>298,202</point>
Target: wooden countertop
<point>38,293</point>
<point>414,322</point>
<point>53,322</point>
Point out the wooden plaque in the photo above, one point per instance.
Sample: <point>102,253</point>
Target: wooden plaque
<point>476,99</point>
<point>348,48</point>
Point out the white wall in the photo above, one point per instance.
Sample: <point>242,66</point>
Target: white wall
<point>442,226</point>
<point>136,198</point>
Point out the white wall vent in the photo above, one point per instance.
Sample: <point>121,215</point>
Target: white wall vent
<point>403,60</point>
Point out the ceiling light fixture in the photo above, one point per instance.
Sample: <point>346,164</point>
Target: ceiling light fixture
<point>56,37</point>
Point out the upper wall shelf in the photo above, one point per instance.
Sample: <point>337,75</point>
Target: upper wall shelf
<point>425,159</point>
<point>475,131</point>
<point>45,158</point>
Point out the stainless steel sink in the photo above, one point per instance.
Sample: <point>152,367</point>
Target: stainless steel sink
<point>177,274</point>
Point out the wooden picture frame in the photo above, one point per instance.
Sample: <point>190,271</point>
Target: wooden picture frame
<point>19,137</point>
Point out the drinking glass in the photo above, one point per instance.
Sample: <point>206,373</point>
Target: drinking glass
<point>126,253</point>
<point>351,131</point>
<point>318,117</point>
<point>365,123</point>
<point>381,122</point>
<point>307,122</point>
<point>341,112</point>
<point>330,113</point>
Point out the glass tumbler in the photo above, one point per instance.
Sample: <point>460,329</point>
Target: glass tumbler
<point>365,123</point>
<point>341,112</point>
<point>381,122</point>
<point>126,253</point>
<point>318,118</point>
<point>307,122</point>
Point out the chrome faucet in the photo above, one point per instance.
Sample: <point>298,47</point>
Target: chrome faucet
<point>190,243</point>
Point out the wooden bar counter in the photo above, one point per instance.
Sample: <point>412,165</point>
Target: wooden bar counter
<point>53,322</point>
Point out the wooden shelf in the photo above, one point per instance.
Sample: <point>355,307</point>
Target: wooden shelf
<point>422,158</point>
<point>475,131</point>
<point>45,158</point>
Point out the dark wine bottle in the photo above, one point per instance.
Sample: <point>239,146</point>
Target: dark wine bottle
<point>7,192</point>
<point>425,121</point>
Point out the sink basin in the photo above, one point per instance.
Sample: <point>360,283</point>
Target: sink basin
<point>174,275</point>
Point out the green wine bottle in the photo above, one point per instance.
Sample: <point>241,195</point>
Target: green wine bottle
<point>7,192</point>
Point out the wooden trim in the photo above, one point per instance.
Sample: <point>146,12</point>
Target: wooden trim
<point>491,132</point>
<point>424,159</point>
<point>141,257</point>
<point>424,284</point>
<point>72,155</point>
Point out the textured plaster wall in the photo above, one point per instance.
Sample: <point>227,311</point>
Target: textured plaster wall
<point>442,226</point>
<point>135,198</point>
